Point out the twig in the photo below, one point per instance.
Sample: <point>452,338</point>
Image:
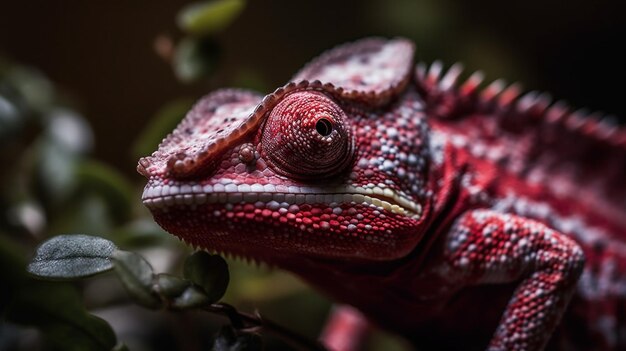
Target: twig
<point>242,320</point>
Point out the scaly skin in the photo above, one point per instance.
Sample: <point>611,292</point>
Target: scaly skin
<point>456,216</point>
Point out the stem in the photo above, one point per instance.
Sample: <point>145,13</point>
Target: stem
<point>242,320</point>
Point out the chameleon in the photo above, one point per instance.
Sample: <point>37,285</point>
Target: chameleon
<point>455,213</point>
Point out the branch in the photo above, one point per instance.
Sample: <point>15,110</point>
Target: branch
<point>242,320</point>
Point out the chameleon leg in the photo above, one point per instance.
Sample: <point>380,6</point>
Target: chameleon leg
<point>486,247</point>
<point>345,329</point>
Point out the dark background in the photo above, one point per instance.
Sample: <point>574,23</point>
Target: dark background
<point>102,52</point>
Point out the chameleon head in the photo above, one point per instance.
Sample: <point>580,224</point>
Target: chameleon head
<point>303,171</point>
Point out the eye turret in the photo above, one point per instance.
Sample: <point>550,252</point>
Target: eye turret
<point>307,136</point>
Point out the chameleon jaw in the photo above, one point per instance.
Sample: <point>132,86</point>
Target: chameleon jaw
<point>162,197</point>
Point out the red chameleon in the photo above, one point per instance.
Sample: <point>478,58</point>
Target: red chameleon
<point>457,216</point>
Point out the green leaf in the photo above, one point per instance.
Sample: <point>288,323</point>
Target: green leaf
<point>210,272</point>
<point>10,119</point>
<point>192,297</point>
<point>195,58</point>
<point>69,130</point>
<point>33,86</point>
<point>55,309</point>
<point>100,201</point>
<point>137,276</point>
<point>171,286</point>
<point>58,151</point>
<point>229,339</point>
<point>109,184</point>
<point>204,18</point>
<point>162,123</point>
<point>71,257</point>
<point>55,171</point>
<point>84,213</point>
<point>140,233</point>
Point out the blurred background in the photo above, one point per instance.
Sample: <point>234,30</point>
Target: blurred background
<point>86,87</point>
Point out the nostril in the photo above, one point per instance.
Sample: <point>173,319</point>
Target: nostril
<point>324,127</point>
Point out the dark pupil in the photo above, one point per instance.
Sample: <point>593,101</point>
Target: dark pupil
<point>324,127</point>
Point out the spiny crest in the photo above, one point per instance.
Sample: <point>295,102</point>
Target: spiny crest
<point>449,98</point>
<point>530,136</point>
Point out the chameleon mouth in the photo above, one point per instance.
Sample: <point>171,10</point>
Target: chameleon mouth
<point>177,194</point>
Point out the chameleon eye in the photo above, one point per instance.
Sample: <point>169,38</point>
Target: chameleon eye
<point>324,127</point>
<point>306,135</point>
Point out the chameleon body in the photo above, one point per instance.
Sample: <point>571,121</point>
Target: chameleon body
<point>457,216</point>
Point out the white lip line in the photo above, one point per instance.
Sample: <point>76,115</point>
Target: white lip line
<point>197,195</point>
